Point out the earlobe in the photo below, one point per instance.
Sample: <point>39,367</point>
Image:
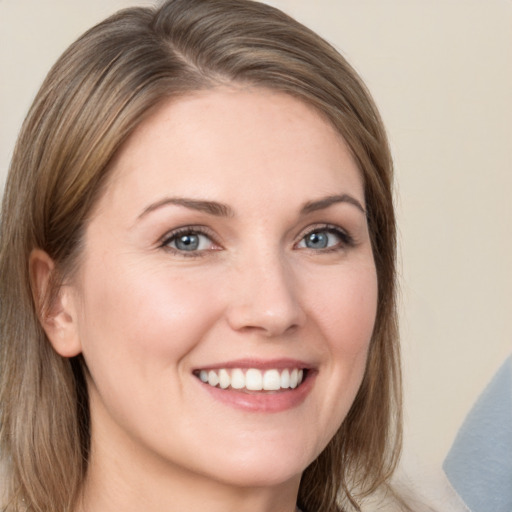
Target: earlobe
<point>56,310</point>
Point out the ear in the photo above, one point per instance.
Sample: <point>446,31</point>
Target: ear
<point>56,310</point>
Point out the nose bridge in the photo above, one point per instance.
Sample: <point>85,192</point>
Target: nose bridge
<point>265,294</point>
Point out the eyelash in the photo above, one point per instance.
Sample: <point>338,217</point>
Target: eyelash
<point>187,230</point>
<point>346,240</point>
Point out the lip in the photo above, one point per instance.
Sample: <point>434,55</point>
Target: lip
<point>263,402</point>
<point>268,364</point>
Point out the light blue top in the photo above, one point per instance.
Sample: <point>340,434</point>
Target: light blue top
<point>479,464</point>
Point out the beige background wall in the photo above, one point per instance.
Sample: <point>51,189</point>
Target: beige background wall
<point>441,72</point>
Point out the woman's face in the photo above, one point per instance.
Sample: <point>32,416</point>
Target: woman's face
<point>229,252</point>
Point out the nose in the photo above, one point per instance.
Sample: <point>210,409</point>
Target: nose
<point>265,297</point>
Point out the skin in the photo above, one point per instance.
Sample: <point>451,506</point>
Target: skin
<point>146,315</point>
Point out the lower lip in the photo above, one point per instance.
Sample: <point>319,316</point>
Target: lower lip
<point>267,402</point>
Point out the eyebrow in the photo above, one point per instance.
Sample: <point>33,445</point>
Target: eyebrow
<point>321,204</point>
<point>210,207</point>
<point>223,210</point>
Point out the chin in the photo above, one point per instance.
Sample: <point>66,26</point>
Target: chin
<point>264,465</point>
<point>268,473</point>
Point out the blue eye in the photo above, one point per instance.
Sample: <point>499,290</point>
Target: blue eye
<point>317,240</point>
<point>324,238</point>
<point>188,241</point>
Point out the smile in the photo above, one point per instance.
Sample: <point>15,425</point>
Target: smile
<point>252,379</point>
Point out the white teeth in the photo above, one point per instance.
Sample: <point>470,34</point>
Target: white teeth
<point>237,379</point>
<point>253,379</point>
<point>213,378</point>
<point>285,379</point>
<point>294,378</point>
<point>224,380</point>
<point>271,380</point>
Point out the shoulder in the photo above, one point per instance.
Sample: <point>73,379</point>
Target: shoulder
<point>417,488</point>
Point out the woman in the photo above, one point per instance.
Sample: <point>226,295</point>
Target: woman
<point>197,273</point>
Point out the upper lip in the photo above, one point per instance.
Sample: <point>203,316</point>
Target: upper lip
<point>261,364</point>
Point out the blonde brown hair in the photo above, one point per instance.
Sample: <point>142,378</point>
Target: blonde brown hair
<point>101,88</point>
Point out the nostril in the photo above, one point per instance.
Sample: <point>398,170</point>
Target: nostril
<point>268,327</point>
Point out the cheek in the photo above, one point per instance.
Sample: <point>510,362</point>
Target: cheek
<point>346,311</point>
<point>136,313</point>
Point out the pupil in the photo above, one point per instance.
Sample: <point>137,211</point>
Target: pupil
<point>317,240</point>
<point>187,242</point>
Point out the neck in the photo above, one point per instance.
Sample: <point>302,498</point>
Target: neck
<point>114,484</point>
<point>164,495</point>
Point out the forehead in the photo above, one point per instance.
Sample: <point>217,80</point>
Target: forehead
<point>265,142</point>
